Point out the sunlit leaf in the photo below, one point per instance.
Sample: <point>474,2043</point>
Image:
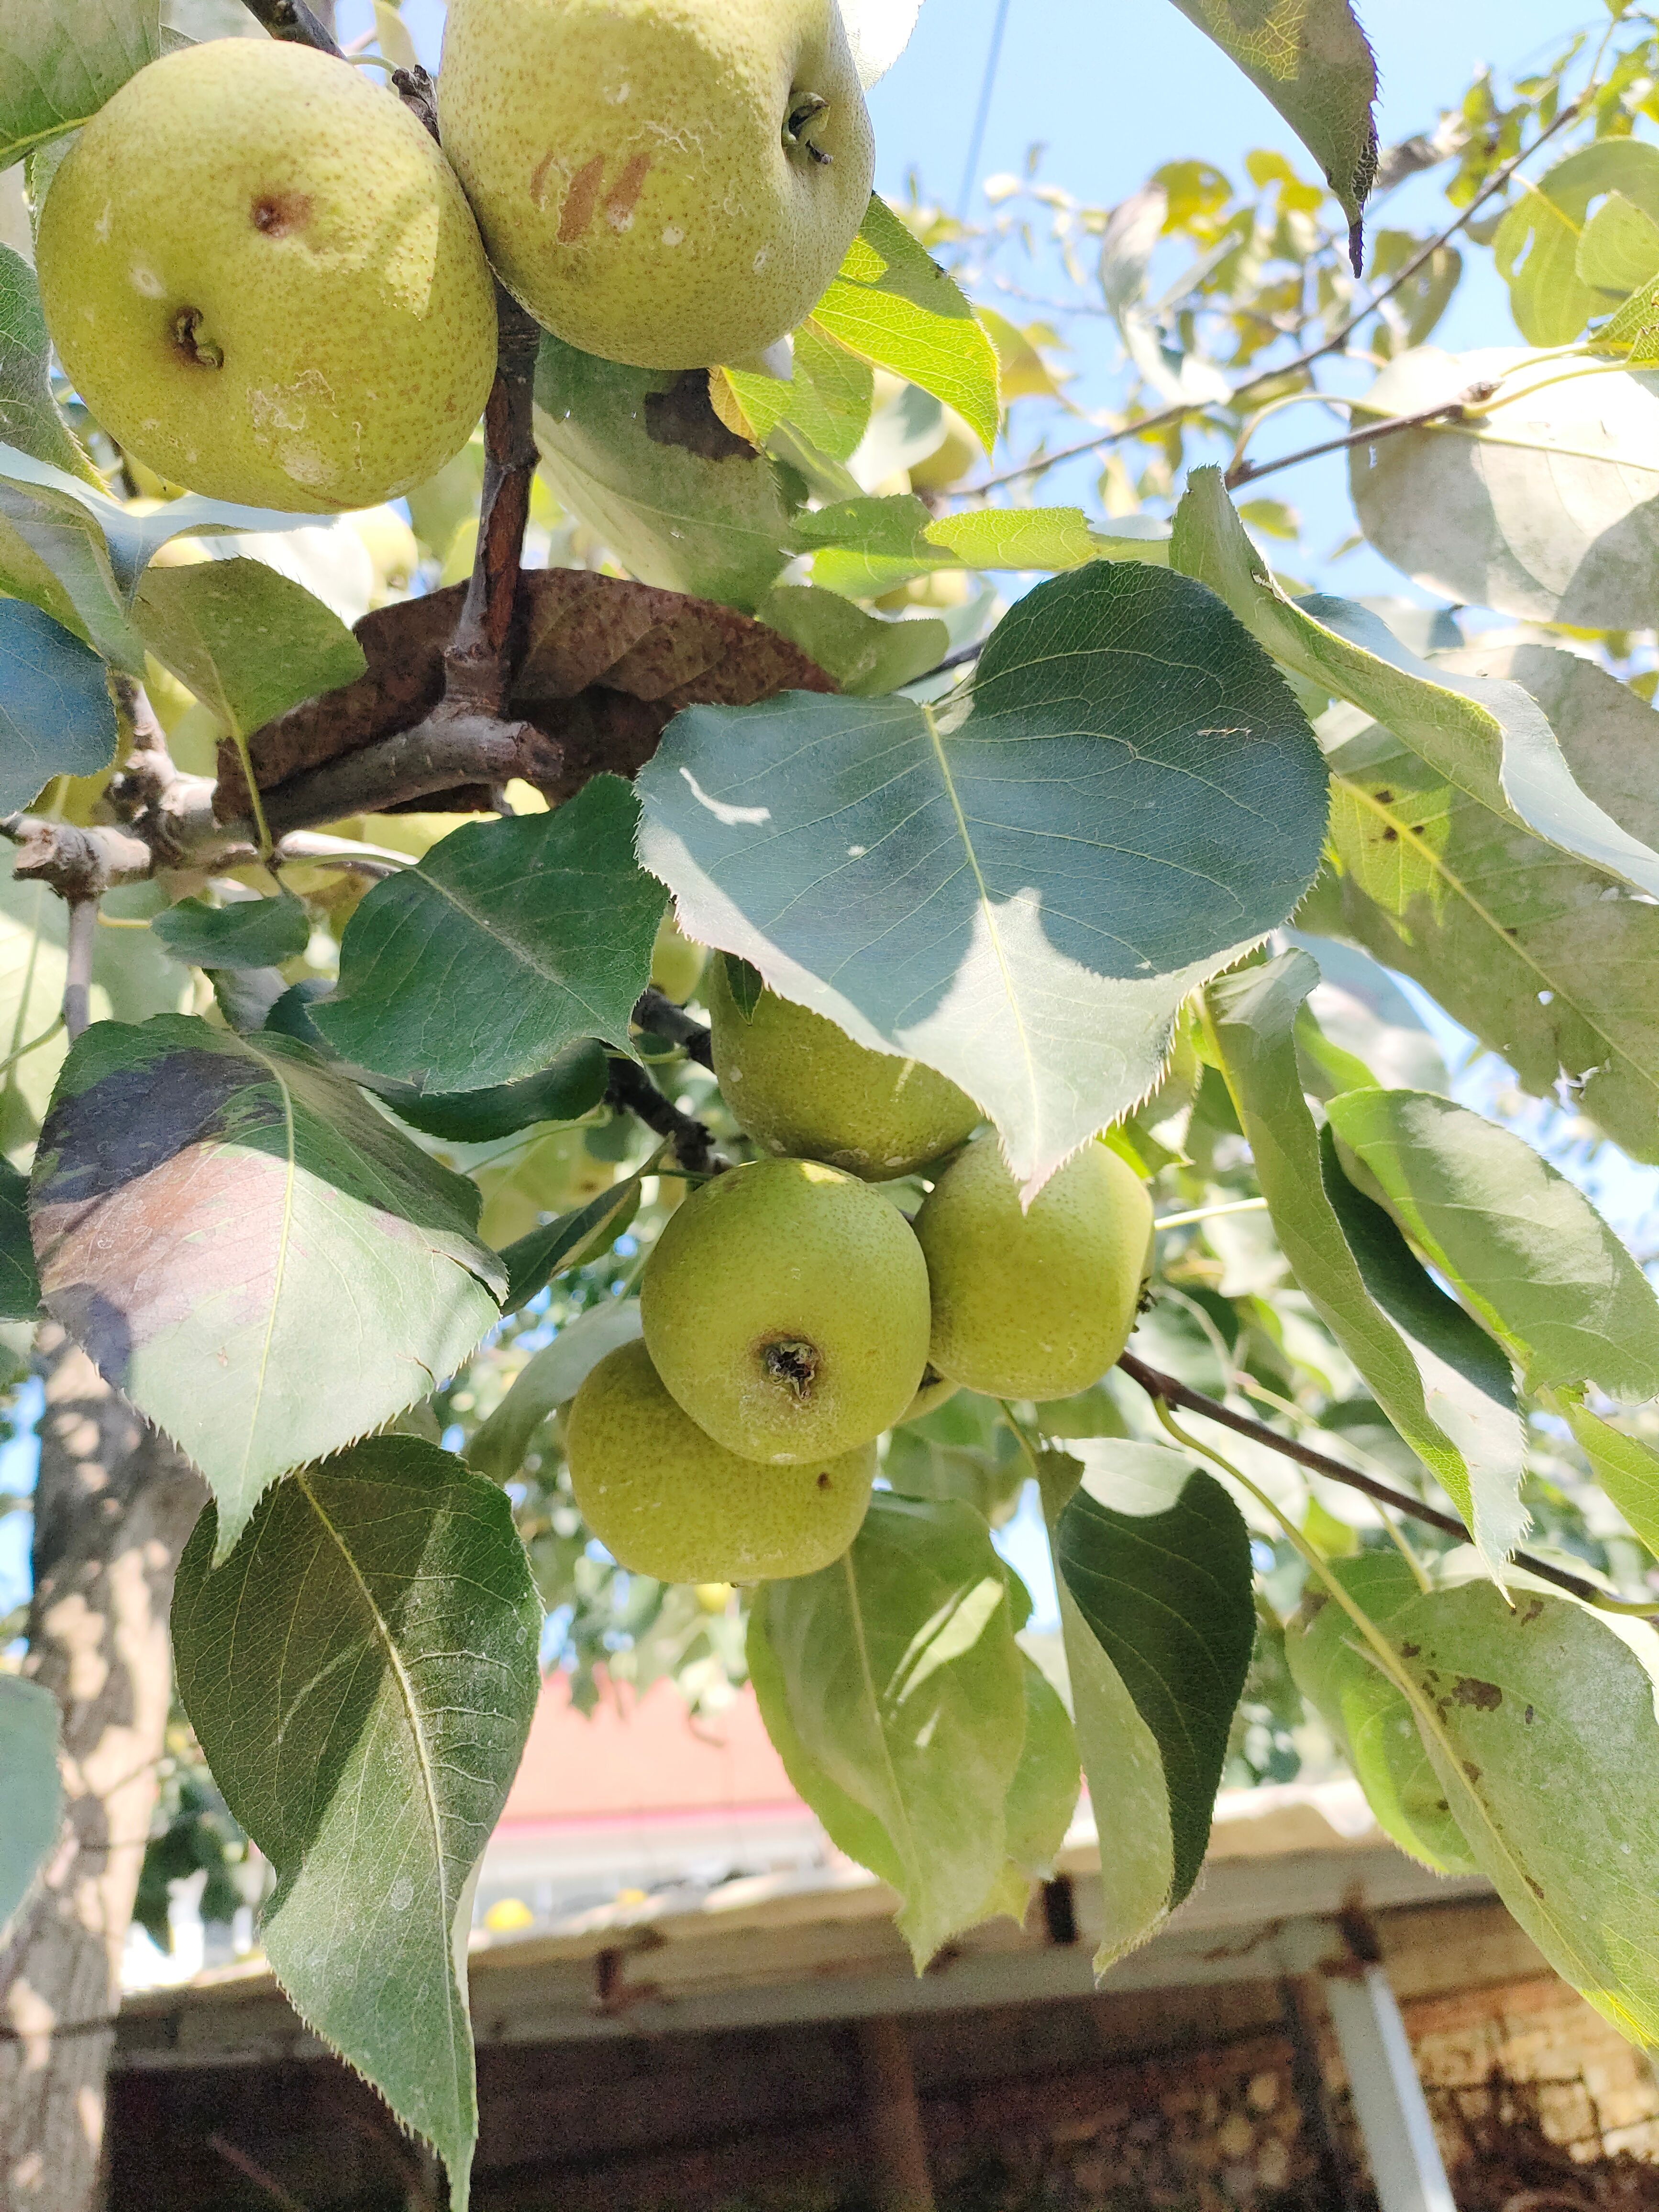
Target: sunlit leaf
<point>1543,248</point>
<point>891,1686</point>
<point>248,1249</point>
<point>508,942</point>
<point>1369,1714</point>
<point>61,59</point>
<point>361,1672</point>
<point>1441,1402</point>
<point>1627,1468</point>
<point>866,655</point>
<point>1522,1244</point>
<point>893,304</point>
<point>1021,887</point>
<point>1315,63</point>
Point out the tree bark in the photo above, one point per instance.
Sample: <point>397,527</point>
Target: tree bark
<point>113,1506</point>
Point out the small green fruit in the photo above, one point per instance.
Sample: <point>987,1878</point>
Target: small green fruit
<point>800,1085</point>
<point>670,184</point>
<point>261,275</point>
<point>677,963</point>
<point>785,1310</point>
<point>1035,1304</point>
<point>666,1500</point>
<point>932,1392</point>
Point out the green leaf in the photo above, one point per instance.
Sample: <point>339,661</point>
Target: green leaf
<point>641,456</point>
<point>1618,252</point>
<point>28,414</point>
<point>507,943</point>
<point>1555,263</point>
<point>61,59</point>
<point>534,1261</point>
<point>1522,1244</point>
<point>1315,63</point>
<point>57,717</point>
<point>867,546</point>
<point>1546,961</point>
<point>866,655</point>
<point>258,932</point>
<point>1561,1810</point>
<point>31,1802</point>
<point>248,1249</point>
<point>361,1674</point>
<point>54,554</point>
<point>1043,1794</point>
<point>1062,851</point>
<point>1367,1714</point>
<point>249,643</point>
<point>1627,1468</point>
<point>1445,1412</point>
<point>892,1687</point>
<point>1490,738</point>
<point>1162,1578</point>
<point>894,305</point>
<point>827,395</point>
<point>549,1379</point>
<point>19,1280</point>
<point>1546,507</point>
<point>964,1449</point>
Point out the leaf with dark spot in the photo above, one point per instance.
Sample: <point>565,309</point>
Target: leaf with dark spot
<point>248,1249</point>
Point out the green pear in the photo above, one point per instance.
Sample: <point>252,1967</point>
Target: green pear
<point>677,963</point>
<point>785,1310</point>
<point>665,1500</point>
<point>932,1391</point>
<point>262,277</point>
<point>1037,1304</point>
<point>670,184</point>
<point>799,1084</point>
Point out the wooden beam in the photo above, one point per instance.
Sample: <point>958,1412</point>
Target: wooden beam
<point>898,2143</point>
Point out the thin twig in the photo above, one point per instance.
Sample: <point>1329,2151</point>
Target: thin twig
<point>632,1090</point>
<point>78,975</point>
<point>656,1011</point>
<point>1174,1392</point>
<point>292,20</point>
<point>252,2171</point>
<point>1334,344</point>
<point>1450,411</point>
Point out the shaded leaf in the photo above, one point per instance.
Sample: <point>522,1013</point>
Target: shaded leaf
<point>1043,1794</point>
<point>641,457</point>
<point>964,1449</point>
<point>1469,1440</point>
<point>57,717</point>
<point>1546,508</point>
<point>30,418</point>
<point>1367,1714</point>
<point>1627,1468</point>
<point>1162,1578</point>
<point>606,666</point>
<point>1522,1244</point>
<point>247,1249</point>
<point>1315,63</point>
<point>1490,738</point>
<point>1021,888</point>
<point>31,1802</point>
<point>894,305</point>
<point>249,934</point>
<point>247,641</point>
<point>866,655</point>
<point>550,1377</point>
<point>508,942</point>
<point>891,1686</point>
<point>20,1280</point>
<point>538,1257</point>
<point>364,1666</point>
<point>1548,962</point>
<point>61,59</point>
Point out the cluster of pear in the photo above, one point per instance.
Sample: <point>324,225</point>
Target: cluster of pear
<point>790,1312</point>
<point>270,285</point>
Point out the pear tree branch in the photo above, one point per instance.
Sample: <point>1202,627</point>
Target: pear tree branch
<point>631,1089</point>
<point>292,22</point>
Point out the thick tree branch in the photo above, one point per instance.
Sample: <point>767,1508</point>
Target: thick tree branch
<point>292,20</point>
<point>1174,1392</point>
<point>631,1089</point>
